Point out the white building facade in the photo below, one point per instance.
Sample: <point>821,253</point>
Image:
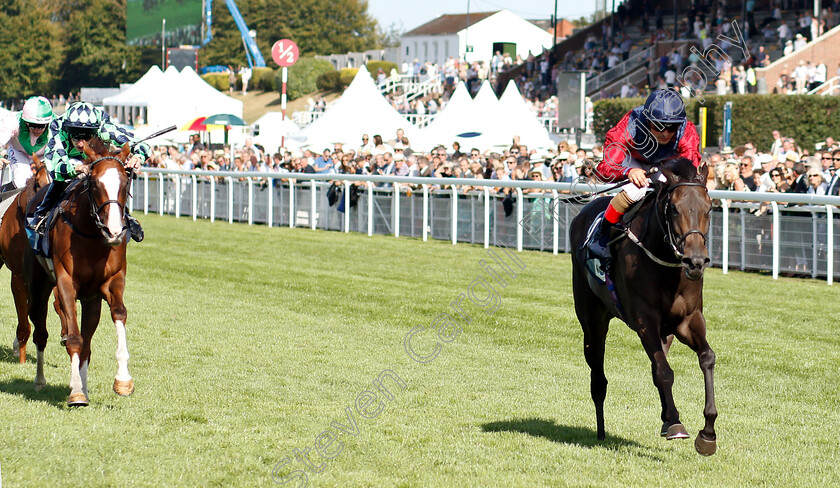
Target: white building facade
<point>475,38</point>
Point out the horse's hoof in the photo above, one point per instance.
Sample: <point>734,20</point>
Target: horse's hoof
<point>40,385</point>
<point>676,431</point>
<point>124,388</point>
<point>705,446</point>
<point>78,400</point>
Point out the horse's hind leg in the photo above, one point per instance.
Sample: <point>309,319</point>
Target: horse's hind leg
<point>595,322</point>
<point>693,334</point>
<point>38,314</point>
<point>22,308</point>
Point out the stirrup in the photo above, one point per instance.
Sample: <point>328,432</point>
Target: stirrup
<point>37,223</point>
<point>135,229</point>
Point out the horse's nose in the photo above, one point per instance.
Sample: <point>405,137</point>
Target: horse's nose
<point>697,262</point>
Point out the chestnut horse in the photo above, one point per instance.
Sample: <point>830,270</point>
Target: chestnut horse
<point>87,263</point>
<point>13,248</point>
<point>655,287</point>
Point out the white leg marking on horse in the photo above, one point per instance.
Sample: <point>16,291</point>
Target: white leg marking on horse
<point>111,181</point>
<point>40,379</point>
<point>75,375</point>
<point>122,353</point>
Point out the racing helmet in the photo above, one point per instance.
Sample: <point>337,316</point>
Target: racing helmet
<point>81,121</point>
<point>82,115</point>
<point>665,106</point>
<point>37,110</point>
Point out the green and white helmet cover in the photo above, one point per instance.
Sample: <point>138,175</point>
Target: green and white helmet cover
<point>82,115</point>
<point>37,110</point>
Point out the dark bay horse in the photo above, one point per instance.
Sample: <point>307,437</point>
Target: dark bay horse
<point>87,263</point>
<point>656,289</point>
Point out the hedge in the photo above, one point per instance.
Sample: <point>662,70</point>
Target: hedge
<point>808,119</point>
<point>218,81</point>
<point>329,81</point>
<point>262,79</point>
<point>387,66</point>
<point>347,75</point>
<point>303,76</point>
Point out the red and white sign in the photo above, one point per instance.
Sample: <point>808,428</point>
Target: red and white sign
<point>285,52</point>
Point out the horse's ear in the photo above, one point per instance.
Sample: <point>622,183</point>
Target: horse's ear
<point>91,156</point>
<point>703,172</point>
<point>124,153</point>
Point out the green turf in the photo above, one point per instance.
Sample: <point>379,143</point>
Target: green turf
<point>248,342</point>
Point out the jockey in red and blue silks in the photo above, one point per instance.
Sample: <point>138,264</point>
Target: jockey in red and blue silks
<point>646,136</point>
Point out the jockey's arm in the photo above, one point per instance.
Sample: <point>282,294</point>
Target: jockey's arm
<point>689,146</point>
<point>617,147</point>
<point>111,132</point>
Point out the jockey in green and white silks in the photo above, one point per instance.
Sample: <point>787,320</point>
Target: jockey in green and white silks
<point>64,155</point>
<point>24,134</point>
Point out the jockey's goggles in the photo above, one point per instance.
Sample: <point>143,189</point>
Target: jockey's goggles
<point>33,126</point>
<point>81,134</point>
<point>660,127</point>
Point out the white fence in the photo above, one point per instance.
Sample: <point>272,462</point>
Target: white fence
<point>796,238</point>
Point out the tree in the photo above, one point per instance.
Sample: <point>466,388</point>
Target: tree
<point>391,37</point>
<point>97,54</point>
<point>28,63</point>
<point>317,26</point>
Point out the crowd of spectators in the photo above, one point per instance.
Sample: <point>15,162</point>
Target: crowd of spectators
<point>375,156</point>
<point>785,28</point>
<point>785,166</point>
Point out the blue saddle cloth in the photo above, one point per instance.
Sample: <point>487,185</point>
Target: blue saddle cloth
<point>40,241</point>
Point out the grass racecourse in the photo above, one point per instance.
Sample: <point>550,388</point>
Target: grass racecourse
<point>249,343</point>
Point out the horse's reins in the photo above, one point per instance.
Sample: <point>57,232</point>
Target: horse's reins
<point>668,232</point>
<point>95,210</point>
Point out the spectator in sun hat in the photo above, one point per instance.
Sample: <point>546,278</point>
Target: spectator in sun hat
<point>540,162</point>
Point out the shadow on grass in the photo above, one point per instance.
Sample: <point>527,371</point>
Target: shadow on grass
<point>565,434</point>
<point>7,355</point>
<point>55,395</point>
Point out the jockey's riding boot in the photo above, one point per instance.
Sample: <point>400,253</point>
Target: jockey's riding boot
<point>598,249</point>
<point>134,228</point>
<point>598,243</point>
<point>52,197</point>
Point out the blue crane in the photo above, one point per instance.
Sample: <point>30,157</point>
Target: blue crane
<point>251,49</point>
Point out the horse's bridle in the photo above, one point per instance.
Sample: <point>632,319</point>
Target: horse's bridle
<point>676,245</point>
<point>94,210</point>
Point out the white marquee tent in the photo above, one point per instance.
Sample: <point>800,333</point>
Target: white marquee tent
<point>361,110</point>
<point>170,98</point>
<point>514,118</point>
<point>133,102</point>
<point>455,118</point>
<point>272,129</point>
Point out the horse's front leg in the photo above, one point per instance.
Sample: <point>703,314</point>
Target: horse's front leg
<point>74,342</point>
<point>113,291</point>
<point>91,311</point>
<point>692,332</point>
<point>663,378</point>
